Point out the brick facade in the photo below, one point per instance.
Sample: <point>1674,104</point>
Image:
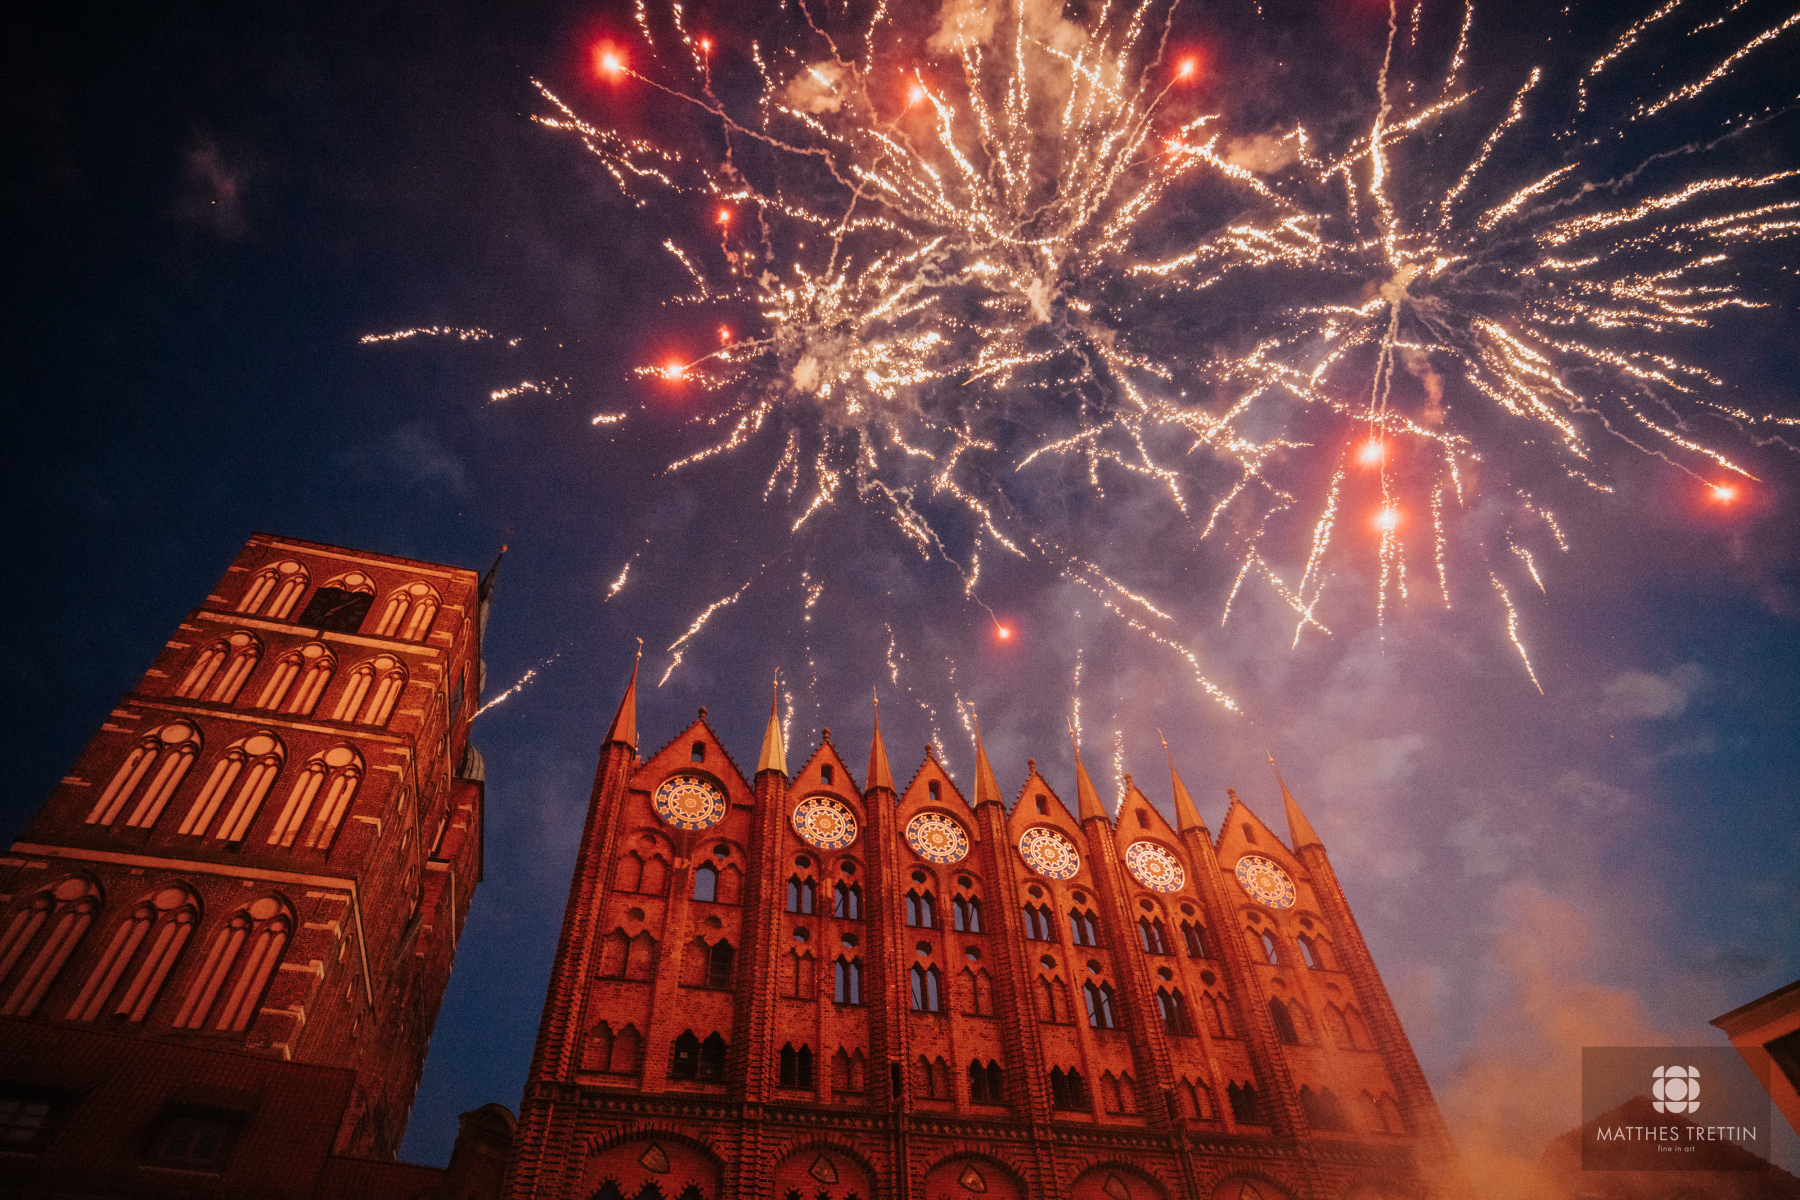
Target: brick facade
<point>795,986</point>
<point>266,852</point>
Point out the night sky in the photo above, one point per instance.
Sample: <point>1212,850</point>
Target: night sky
<point>206,210</point>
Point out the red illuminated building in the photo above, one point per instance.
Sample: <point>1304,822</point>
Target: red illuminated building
<point>225,936</point>
<point>809,988</point>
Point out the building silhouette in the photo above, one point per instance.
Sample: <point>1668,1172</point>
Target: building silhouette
<point>225,936</point>
<point>799,986</point>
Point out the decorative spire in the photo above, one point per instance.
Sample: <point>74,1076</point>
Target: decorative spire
<point>879,776</point>
<point>1186,815</point>
<point>1300,832</point>
<point>1087,799</point>
<point>624,723</point>
<point>986,788</point>
<point>774,749</point>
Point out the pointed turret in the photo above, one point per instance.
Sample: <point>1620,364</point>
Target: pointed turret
<point>774,749</point>
<point>1087,799</point>
<point>624,723</point>
<point>986,788</point>
<point>1186,815</point>
<point>879,776</point>
<point>1300,831</point>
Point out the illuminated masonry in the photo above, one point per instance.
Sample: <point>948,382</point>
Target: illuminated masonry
<point>802,988</point>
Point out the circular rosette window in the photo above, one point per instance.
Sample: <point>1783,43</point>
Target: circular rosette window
<point>689,802</point>
<point>823,822</point>
<point>1266,882</point>
<point>937,838</point>
<point>1154,867</point>
<point>1049,853</point>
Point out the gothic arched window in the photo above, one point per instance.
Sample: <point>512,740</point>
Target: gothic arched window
<point>1193,936</point>
<point>1322,1109</point>
<point>28,964</point>
<point>218,671</point>
<point>706,883</point>
<point>921,910</point>
<point>987,1084</point>
<point>335,773</point>
<point>1309,953</point>
<point>1037,923</point>
<point>925,990</point>
<point>800,894</point>
<point>390,681</point>
<point>1172,1006</point>
<point>796,1066</point>
<point>966,914</point>
<point>718,964</point>
<point>1154,937</point>
<point>712,1058</point>
<point>239,964</point>
<point>1099,1005</point>
<point>1084,928</point>
<point>1067,1091</point>
<point>170,749</point>
<point>408,613</point>
<point>847,981</point>
<point>847,901</point>
<point>258,760</point>
<point>1266,943</point>
<point>280,586</point>
<point>1217,1016</point>
<point>685,1062</point>
<point>159,926</point>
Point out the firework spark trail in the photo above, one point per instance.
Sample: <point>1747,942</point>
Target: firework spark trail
<point>546,387</point>
<point>699,624</point>
<point>443,331</point>
<point>957,297</point>
<point>515,688</point>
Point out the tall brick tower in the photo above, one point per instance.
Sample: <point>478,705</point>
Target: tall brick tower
<point>793,986</point>
<point>262,859</point>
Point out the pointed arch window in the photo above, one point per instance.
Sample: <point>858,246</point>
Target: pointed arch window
<point>1217,1015</point>
<point>1084,927</point>
<point>1172,1006</point>
<point>158,762</point>
<point>1284,1023</point>
<point>706,883</point>
<point>362,682</point>
<point>330,778</point>
<point>1198,1098</point>
<point>277,588</point>
<point>408,613</point>
<point>1053,1001</point>
<point>921,910</point>
<point>240,962</point>
<point>847,1071</point>
<point>987,1083</point>
<point>847,981</point>
<point>218,671</point>
<point>796,1066</point>
<point>965,914</point>
<point>1099,1005</point>
<point>140,954</point>
<point>1153,935</point>
<point>685,1062</point>
<point>1309,953</point>
<point>340,604</point>
<point>612,955</point>
<point>1037,923</point>
<point>1337,1027</point>
<point>1265,942</point>
<point>926,995</point>
<point>1068,1092</point>
<point>29,964</point>
<point>797,975</point>
<point>256,760</point>
<point>847,901</point>
<point>1193,937</point>
<point>1322,1108</point>
<point>1246,1105</point>
<point>801,894</point>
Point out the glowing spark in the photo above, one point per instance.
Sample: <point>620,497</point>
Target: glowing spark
<point>1724,493</point>
<point>446,331</point>
<point>1387,518</point>
<point>1372,453</point>
<point>608,418</point>
<point>515,688</point>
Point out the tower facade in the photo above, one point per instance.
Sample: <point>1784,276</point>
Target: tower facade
<point>793,985</point>
<point>261,861</point>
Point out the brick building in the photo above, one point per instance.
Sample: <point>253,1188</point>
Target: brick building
<point>796,986</point>
<point>225,936</point>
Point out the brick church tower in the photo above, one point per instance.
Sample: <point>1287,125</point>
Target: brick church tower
<point>235,916</point>
<point>799,987</point>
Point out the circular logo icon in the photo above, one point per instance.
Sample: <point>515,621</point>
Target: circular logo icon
<point>1266,882</point>
<point>689,802</point>
<point>1154,867</point>
<point>823,822</point>
<point>1676,1089</point>
<point>1049,853</point>
<point>937,838</point>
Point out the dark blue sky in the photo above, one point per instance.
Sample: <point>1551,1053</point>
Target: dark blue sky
<point>205,212</point>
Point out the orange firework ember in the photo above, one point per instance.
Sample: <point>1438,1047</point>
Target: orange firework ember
<point>1388,518</point>
<point>1372,453</point>
<point>1724,493</point>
